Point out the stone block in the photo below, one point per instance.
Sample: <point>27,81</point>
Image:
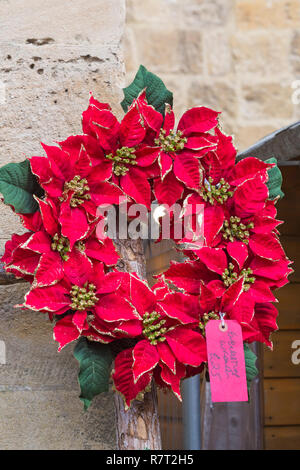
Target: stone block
<point>265,14</point>
<point>266,101</point>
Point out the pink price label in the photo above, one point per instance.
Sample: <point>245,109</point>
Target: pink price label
<point>226,361</point>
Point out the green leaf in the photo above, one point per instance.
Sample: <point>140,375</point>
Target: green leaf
<point>156,92</point>
<point>251,370</point>
<point>95,362</point>
<point>18,185</point>
<point>275,180</point>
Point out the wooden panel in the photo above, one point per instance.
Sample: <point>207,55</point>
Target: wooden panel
<point>161,262</point>
<point>289,307</point>
<point>170,416</point>
<point>154,249</point>
<point>289,206</point>
<point>169,405</point>
<point>282,438</point>
<point>171,434</point>
<point>277,363</point>
<point>282,402</point>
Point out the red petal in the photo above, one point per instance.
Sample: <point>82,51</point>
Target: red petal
<point>267,246</point>
<point>103,124</point>
<point>40,242</point>
<point>226,152</point>
<point>53,298</point>
<point>261,292</point>
<point>104,251</point>
<point>65,332</point>
<point>152,118</point>
<point>182,307</point>
<point>187,275</point>
<point>48,216</point>
<point>165,163</point>
<point>199,142</point>
<point>132,128</point>
<point>32,222</point>
<point>79,320</point>
<point>243,309</point>
<point>212,223</point>
<point>246,169</point>
<point>264,320</point>
<point>105,193</point>
<point>112,307</point>
<point>40,166</point>
<point>123,377</point>
<point>188,346</point>
<point>231,295</point>
<point>136,185</point>
<point>250,197</point>
<point>24,261</point>
<point>77,268</point>
<point>141,296</point>
<point>173,379</point>
<point>49,270</point>
<point>199,119</point>
<point>60,163</point>
<point>146,156</point>
<point>73,222</point>
<point>145,358</point>
<point>169,121</point>
<point>169,190</point>
<point>214,258</point>
<point>166,356</point>
<point>274,270</point>
<point>238,251</point>
<point>187,169</point>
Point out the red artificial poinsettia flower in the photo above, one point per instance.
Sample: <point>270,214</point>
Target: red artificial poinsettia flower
<point>44,253</point>
<point>261,275</point>
<point>262,324</point>
<point>222,227</point>
<point>258,320</point>
<point>75,186</point>
<point>18,261</point>
<point>230,191</point>
<point>127,148</point>
<point>167,342</point>
<point>82,298</point>
<point>180,151</point>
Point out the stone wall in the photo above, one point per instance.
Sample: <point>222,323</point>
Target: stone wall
<point>52,54</point>
<point>238,56</point>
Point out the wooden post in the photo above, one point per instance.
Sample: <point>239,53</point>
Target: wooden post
<point>137,428</point>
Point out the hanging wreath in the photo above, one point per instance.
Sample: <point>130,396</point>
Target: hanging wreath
<point>233,267</point>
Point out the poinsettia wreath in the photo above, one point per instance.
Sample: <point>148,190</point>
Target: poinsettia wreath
<point>153,333</point>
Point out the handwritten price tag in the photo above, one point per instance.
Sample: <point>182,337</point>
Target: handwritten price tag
<point>226,361</point>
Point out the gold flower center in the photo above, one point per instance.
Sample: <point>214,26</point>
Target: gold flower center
<point>153,327</point>
<point>124,156</point>
<point>205,319</point>
<point>174,142</point>
<point>83,298</point>
<point>62,245</point>
<point>233,229</point>
<point>80,190</point>
<point>213,193</point>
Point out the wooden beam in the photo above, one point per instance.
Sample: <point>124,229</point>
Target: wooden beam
<point>283,144</point>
